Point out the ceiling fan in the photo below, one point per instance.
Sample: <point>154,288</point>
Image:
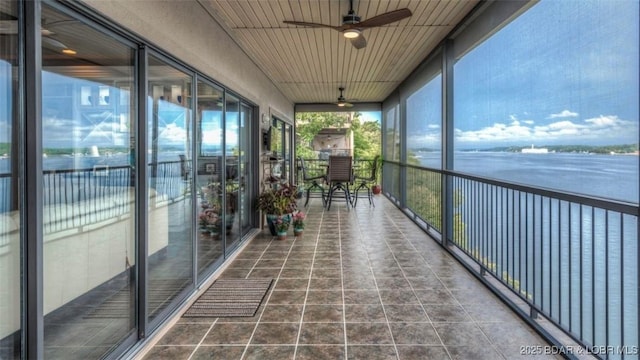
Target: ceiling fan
<point>342,102</point>
<point>352,27</point>
<point>10,27</point>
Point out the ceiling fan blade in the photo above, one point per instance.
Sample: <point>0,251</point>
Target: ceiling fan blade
<point>359,42</point>
<point>308,24</point>
<point>384,19</point>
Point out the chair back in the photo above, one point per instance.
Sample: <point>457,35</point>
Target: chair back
<point>303,167</point>
<point>374,168</point>
<point>340,169</point>
<point>185,168</point>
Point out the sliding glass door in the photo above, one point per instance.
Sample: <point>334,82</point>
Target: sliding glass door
<point>10,160</point>
<point>210,127</point>
<point>232,157</point>
<point>89,247</point>
<point>245,165</point>
<point>170,230</point>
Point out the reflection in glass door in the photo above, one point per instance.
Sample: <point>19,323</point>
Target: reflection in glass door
<point>170,232</point>
<point>244,166</point>
<point>232,156</point>
<point>10,160</point>
<point>210,121</point>
<point>88,190</point>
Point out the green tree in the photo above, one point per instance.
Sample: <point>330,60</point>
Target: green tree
<point>366,135</point>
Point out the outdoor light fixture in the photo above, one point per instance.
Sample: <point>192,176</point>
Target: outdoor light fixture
<point>351,33</point>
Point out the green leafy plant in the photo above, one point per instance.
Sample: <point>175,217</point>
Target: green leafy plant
<point>279,201</point>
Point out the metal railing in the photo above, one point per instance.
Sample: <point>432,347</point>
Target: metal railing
<point>361,168</point>
<point>79,197</point>
<point>572,259</point>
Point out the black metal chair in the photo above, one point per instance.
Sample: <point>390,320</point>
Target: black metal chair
<point>366,183</point>
<point>311,181</point>
<point>185,167</point>
<point>339,176</point>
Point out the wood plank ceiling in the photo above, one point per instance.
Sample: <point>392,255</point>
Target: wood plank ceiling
<point>309,64</point>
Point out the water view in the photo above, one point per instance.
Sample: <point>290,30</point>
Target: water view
<point>607,176</point>
<point>576,263</point>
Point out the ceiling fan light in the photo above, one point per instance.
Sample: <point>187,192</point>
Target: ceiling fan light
<point>341,104</point>
<point>69,51</point>
<point>351,33</point>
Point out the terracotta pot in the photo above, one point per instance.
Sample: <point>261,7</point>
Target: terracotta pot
<point>282,235</point>
<point>376,189</point>
<point>298,232</point>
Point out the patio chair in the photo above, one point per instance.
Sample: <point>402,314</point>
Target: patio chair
<point>312,180</point>
<point>185,167</point>
<point>339,176</point>
<point>366,183</point>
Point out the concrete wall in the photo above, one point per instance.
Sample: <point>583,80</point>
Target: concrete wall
<point>186,31</point>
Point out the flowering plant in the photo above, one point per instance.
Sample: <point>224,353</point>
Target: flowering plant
<point>298,220</point>
<point>209,217</point>
<point>281,224</point>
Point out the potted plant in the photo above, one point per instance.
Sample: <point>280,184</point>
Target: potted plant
<point>278,202</point>
<point>212,202</point>
<point>210,220</point>
<point>298,223</point>
<point>281,225</point>
<point>377,188</point>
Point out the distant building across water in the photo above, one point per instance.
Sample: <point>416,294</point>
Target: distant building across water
<point>533,150</point>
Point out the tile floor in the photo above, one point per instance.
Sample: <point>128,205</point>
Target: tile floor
<point>360,284</point>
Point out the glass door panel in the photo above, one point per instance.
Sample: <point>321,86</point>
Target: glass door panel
<point>170,230</point>
<point>232,189</point>
<point>210,121</point>
<point>88,121</point>
<point>244,166</point>
<point>10,160</point>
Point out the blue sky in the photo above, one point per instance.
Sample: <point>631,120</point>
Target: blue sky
<point>564,72</point>
<point>366,116</point>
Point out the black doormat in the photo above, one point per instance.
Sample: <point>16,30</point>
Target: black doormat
<point>230,298</point>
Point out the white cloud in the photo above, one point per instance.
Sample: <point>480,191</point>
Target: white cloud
<point>563,114</point>
<point>604,121</point>
<point>423,140</point>
<point>173,134</point>
<point>498,132</point>
<point>599,128</point>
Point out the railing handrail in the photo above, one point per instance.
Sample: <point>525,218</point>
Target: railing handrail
<point>68,189</point>
<point>604,203</point>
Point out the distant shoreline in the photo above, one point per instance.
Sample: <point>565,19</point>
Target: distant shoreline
<point>621,149</point>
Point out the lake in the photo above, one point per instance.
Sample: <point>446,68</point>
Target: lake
<point>607,176</point>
